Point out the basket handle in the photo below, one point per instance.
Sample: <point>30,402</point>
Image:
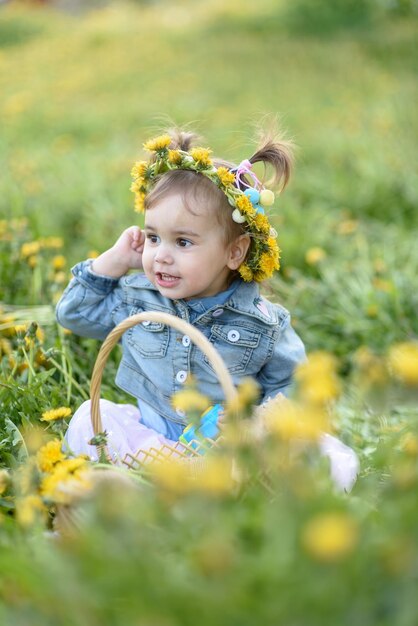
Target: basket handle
<point>177,323</point>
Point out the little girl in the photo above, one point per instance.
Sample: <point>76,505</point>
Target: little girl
<point>205,247</point>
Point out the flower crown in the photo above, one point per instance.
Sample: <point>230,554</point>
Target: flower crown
<point>264,254</point>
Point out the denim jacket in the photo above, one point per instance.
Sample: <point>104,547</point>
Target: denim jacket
<point>253,336</point>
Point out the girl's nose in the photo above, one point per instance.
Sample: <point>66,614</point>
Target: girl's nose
<point>163,254</point>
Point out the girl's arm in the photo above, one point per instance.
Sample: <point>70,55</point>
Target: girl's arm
<point>276,375</point>
<point>90,302</point>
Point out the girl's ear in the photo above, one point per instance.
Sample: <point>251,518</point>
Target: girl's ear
<point>238,251</point>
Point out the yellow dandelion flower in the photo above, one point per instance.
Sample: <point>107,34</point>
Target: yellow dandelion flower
<point>268,263</point>
<point>58,262</point>
<point>139,204</point>
<point>56,414</point>
<point>67,479</point>
<point>318,378</point>
<point>29,510</point>
<point>30,248</point>
<point>403,362</point>
<point>49,455</point>
<point>174,157</point>
<point>158,143</point>
<point>244,205</point>
<point>225,176</point>
<point>330,537</point>
<point>190,400</point>
<point>201,156</point>
<point>262,223</point>
<point>93,254</point>
<point>314,255</point>
<point>246,272</point>
<point>139,169</point>
<point>137,185</point>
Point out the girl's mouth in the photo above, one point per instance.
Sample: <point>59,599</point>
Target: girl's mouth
<point>166,280</point>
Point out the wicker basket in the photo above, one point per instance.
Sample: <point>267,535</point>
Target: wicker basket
<point>143,457</point>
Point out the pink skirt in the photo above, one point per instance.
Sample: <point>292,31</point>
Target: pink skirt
<point>126,434</point>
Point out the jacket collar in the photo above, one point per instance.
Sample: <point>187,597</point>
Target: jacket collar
<point>245,299</point>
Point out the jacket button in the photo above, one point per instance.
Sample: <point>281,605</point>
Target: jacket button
<point>181,376</point>
<point>146,323</point>
<point>233,335</point>
<point>185,341</point>
<point>217,312</point>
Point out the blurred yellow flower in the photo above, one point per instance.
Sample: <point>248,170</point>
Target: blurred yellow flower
<point>403,362</point>
<point>58,262</point>
<point>32,261</point>
<point>330,537</point>
<point>371,368</point>
<point>51,242</point>
<point>289,420</point>
<point>30,248</point>
<point>317,378</point>
<point>409,444</point>
<point>68,478</point>
<point>29,509</point>
<point>171,475</point>
<point>190,400</point>
<point>347,227</point>
<point>215,477</point>
<point>4,480</point>
<point>92,254</point>
<point>49,455</point>
<point>56,414</point>
<point>315,255</point>
<point>248,392</point>
<point>5,346</point>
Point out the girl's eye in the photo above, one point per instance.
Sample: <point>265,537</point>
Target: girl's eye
<point>184,243</point>
<point>153,238</point>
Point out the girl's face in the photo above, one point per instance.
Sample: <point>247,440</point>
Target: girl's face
<point>185,255</point>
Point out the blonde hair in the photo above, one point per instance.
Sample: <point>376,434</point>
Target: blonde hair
<point>198,190</point>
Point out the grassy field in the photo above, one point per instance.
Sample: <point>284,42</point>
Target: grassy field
<point>81,91</point>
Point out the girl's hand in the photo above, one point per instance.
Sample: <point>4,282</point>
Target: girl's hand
<point>124,255</point>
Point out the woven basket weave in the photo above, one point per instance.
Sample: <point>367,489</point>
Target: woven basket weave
<point>143,457</point>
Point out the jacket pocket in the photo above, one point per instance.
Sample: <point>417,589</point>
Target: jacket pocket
<point>235,344</point>
<point>148,338</point>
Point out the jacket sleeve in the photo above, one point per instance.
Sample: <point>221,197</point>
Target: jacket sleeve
<point>88,303</point>
<point>276,375</point>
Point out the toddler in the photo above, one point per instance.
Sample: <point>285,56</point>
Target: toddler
<point>206,245</point>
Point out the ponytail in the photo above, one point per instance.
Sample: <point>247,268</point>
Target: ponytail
<point>276,152</point>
